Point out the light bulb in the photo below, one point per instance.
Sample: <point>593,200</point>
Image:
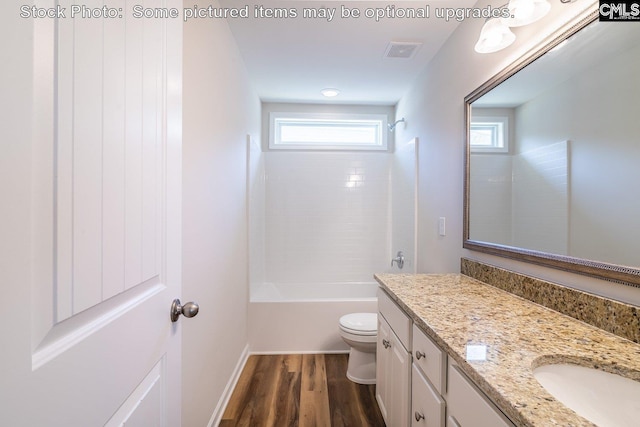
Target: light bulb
<point>494,36</point>
<point>524,12</point>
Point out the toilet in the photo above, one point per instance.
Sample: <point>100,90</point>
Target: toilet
<point>360,332</point>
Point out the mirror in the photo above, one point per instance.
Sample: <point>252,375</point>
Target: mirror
<point>553,155</point>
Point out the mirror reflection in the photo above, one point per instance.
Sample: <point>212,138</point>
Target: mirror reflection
<point>554,151</point>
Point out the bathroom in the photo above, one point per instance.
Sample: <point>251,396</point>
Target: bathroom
<point>433,113</point>
<point>225,154</point>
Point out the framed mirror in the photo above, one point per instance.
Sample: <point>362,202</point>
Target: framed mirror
<point>553,155</point>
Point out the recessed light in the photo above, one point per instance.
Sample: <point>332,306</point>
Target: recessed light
<point>329,92</point>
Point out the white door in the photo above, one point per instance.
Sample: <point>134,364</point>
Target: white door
<point>90,217</point>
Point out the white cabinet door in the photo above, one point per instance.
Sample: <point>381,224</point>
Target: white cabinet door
<point>383,357</point>
<point>427,406</point>
<point>467,406</point>
<point>401,384</point>
<point>90,250</point>
<point>394,380</point>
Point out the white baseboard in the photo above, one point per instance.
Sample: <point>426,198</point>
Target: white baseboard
<point>216,417</point>
<point>299,352</point>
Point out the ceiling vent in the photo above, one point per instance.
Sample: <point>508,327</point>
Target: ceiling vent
<point>404,50</point>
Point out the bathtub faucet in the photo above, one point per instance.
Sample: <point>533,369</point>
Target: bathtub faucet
<point>399,259</point>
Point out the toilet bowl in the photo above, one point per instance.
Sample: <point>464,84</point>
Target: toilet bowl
<point>360,332</point>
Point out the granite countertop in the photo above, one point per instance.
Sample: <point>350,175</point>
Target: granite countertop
<point>519,335</point>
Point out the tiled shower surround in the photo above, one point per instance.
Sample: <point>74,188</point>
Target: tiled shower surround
<point>326,216</point>
<point>522,200</point>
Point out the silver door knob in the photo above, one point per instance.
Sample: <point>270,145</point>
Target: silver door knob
<point>190,309</point>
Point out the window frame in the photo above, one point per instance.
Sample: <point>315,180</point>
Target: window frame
<point>380,122</point>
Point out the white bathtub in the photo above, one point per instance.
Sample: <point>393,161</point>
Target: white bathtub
<point>303,318</point>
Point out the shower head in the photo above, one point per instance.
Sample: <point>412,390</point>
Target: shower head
<point>392,126</point>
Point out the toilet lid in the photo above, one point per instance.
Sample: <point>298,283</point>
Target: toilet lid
<point>360,323</point>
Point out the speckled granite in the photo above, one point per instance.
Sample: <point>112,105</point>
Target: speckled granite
<point>456,310</point>
<point>612,316</point>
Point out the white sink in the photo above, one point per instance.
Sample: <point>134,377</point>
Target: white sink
<point>603,398</point>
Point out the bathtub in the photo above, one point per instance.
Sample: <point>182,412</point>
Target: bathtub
<point>303,318</point>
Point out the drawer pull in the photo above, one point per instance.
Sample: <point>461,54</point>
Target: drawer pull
<point>419,416</point>
<point>386,343</point>
<point>420,355</point>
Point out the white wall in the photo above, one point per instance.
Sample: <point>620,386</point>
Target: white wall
<point>220,110</point>
<point>434,109</point>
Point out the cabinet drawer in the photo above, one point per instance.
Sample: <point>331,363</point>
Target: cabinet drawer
<point>397,319</point>
<point>430,359</point>
<point>468,406</point>
<point>427,406</point>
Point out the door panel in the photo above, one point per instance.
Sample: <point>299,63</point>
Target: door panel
<point>108,158</point>
<point>93,250</point>
<point>143,407</point>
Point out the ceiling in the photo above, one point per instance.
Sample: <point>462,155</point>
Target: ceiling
<point>293,59</point>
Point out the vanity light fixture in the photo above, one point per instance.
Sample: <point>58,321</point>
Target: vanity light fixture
<point>496,34</point>
<point>525,12</point>
<point>330,92</point>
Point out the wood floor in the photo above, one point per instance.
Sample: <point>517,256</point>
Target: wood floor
<point>309,390</point>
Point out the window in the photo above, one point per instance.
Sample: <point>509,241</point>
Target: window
<point>310,131</point>
<point>489,134</point>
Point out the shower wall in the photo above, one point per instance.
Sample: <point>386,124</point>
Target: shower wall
<point>255,215</point>
<point>326,217</point>
<point>522,200</point>
<point>404,202</point>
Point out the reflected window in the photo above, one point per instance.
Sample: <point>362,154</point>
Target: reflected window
<point>489,134</point>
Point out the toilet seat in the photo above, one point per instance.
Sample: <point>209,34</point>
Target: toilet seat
<point>364,324</point>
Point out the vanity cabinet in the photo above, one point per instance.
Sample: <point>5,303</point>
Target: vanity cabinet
<point>467,406</point>
<point>428,382</point>
<point>393,364</point>
<point>418,385</point>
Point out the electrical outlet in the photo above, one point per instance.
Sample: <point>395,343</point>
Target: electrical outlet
<point>442,226</point>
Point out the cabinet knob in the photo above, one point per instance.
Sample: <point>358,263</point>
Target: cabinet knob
<point>386,343</point>
<point>420,355</point>
<point>419,416</point>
